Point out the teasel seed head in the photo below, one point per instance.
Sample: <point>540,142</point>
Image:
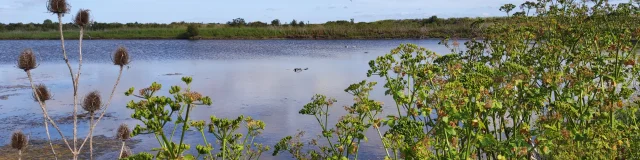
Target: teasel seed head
<point>27,60</point>
<point>82,18</point>
<point>121,57</point>
<point>19,141</point>
<point>92,102</point>
<point>58,6</point>
<point>123,132</point>
<point>42,92</point>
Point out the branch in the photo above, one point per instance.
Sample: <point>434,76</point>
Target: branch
<point>105,108</point>
<point>75,90</point>
<point>44,111</point>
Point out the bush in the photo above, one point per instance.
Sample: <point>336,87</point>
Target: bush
<point>275,22</point>
<point>192,31</point>
<point>557,85</point>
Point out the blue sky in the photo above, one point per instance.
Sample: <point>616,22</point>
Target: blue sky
<point>220,11</point>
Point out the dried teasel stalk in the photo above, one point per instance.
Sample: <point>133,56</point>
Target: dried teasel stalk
<point>92,102</point>
<point>19,141</point>
<point>123,134</point>
<point>27,60</point>
<point>82,18</point>
<point>58,6</point>
<point>42,93</point>
<point>121,57</point>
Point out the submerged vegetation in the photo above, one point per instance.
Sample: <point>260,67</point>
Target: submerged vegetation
<point>553,80</point>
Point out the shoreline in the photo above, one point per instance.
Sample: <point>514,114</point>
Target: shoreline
<point>430,38</point>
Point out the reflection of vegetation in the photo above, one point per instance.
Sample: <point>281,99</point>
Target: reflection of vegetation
<point>560,84</point>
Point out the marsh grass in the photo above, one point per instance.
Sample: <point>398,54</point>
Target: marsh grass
<point>307,32</point>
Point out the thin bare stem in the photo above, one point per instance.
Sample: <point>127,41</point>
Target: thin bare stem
<point>106,106</point>
<point>45,113</point>
<point>91,138</point>
<point>75,90</point>
<point>121,150</point>
<point>46,128</point>
<point>75,95</point>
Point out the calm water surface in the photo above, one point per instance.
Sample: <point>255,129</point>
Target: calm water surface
<point>243,77</point>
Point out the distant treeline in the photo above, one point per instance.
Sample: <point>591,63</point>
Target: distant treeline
<point>432,27</point>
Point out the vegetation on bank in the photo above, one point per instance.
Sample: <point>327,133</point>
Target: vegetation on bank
<point>238,29</point>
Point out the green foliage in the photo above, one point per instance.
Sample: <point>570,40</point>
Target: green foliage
<point>275,22</point>
<point>140,156</point>
<point>556,85</point>
<point>258,24</point>
<point>345,138</point>
<point>432,27</point>
<point>238,22</point>
<point>155,112</point>
<point>192,31</point>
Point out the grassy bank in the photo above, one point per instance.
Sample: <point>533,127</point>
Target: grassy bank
<point>387,29</point>
<point>315,32</point>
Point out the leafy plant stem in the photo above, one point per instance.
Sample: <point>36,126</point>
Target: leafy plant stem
<point>184,128</point>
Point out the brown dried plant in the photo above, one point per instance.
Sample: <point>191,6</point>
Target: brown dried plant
<point>27,60</point>
<point>42,93</point>
<point>19,141</point>
<point>121,57</point>
<point>58,6</point>
<point>82,18</point>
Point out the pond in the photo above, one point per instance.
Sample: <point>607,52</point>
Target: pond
<point>243,77</point>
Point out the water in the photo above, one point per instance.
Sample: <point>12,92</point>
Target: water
<point>250,77</point>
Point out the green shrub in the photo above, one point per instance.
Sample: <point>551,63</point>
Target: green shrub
<point>192,31</point>
<point>560,84</point>
<point>155,112</point>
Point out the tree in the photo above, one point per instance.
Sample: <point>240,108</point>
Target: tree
<point>432,19</point>
<point>238,22</point>
<point>258,24</point>
<point>294,23</point>
<point>275,22</point>
<point>301,23</point>
<point>47,21</point>
<point>352,21</point>
<point>192,31</point>
<point>47,24</point>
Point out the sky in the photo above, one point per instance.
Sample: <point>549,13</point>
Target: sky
<point>221,11</point>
